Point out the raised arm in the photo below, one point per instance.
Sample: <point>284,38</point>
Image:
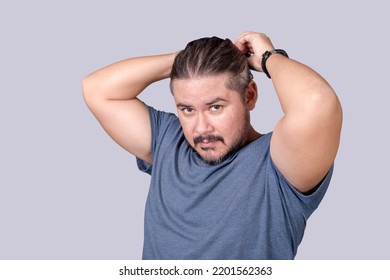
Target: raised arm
<point>111,95</point>
<point>305,141</point>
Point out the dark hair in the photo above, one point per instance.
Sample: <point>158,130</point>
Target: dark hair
<point>212,56</point>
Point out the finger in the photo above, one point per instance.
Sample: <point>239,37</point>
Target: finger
<point>241,46</point>
<point>242,42</point>
<point>243,35</point>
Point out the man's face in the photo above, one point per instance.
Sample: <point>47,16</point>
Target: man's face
<point>214,119</point>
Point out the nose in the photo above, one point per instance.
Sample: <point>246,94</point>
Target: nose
<point>203,125</point>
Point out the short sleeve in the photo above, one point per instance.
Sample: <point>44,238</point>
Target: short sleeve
<point>159,123</point>
<point>308,202</point>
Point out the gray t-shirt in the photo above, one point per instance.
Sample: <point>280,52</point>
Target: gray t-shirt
<point>242,208</point>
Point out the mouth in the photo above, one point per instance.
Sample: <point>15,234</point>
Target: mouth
<point>208,140</point>
<point>208,145</point>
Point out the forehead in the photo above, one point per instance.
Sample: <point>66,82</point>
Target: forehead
<point>202,89</point>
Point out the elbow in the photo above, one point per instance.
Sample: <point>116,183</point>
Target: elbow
<point>87,89</point>
<point>325,105</point>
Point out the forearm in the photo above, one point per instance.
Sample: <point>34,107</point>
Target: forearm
<point>300,89</point>
<point>126,79</point>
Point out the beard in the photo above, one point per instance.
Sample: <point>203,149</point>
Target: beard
<point>217,160</point>
<point>236,145</point>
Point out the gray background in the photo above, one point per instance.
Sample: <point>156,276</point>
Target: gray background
<point>67,191</point>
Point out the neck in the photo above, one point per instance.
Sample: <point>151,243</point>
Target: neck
<point>252,135</point>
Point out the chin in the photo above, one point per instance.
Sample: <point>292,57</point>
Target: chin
<point>213,159</point>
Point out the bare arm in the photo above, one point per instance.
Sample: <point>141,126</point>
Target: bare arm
<point>111,95</point>
<point>305,141</point>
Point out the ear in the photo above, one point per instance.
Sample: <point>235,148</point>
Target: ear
<point>251,95</point>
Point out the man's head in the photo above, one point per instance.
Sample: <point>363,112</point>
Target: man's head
<point>210,57</point>
<point>214,92</point>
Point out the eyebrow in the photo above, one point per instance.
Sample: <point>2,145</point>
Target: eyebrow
<point>215,100</point>
<point>182,105</point>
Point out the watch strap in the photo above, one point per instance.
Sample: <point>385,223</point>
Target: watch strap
<point>266,55</point>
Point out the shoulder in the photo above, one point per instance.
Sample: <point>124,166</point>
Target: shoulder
<point>161,121</point>
<point>161,116</point>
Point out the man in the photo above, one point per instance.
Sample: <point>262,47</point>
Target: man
<point>220,189</point>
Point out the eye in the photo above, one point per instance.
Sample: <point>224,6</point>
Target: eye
<point>187,110</point>
<point>215,108</point>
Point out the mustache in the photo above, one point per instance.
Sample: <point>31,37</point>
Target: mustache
<point>202,138</point>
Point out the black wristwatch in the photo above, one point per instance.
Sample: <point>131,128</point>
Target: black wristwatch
<point>266,55</point>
